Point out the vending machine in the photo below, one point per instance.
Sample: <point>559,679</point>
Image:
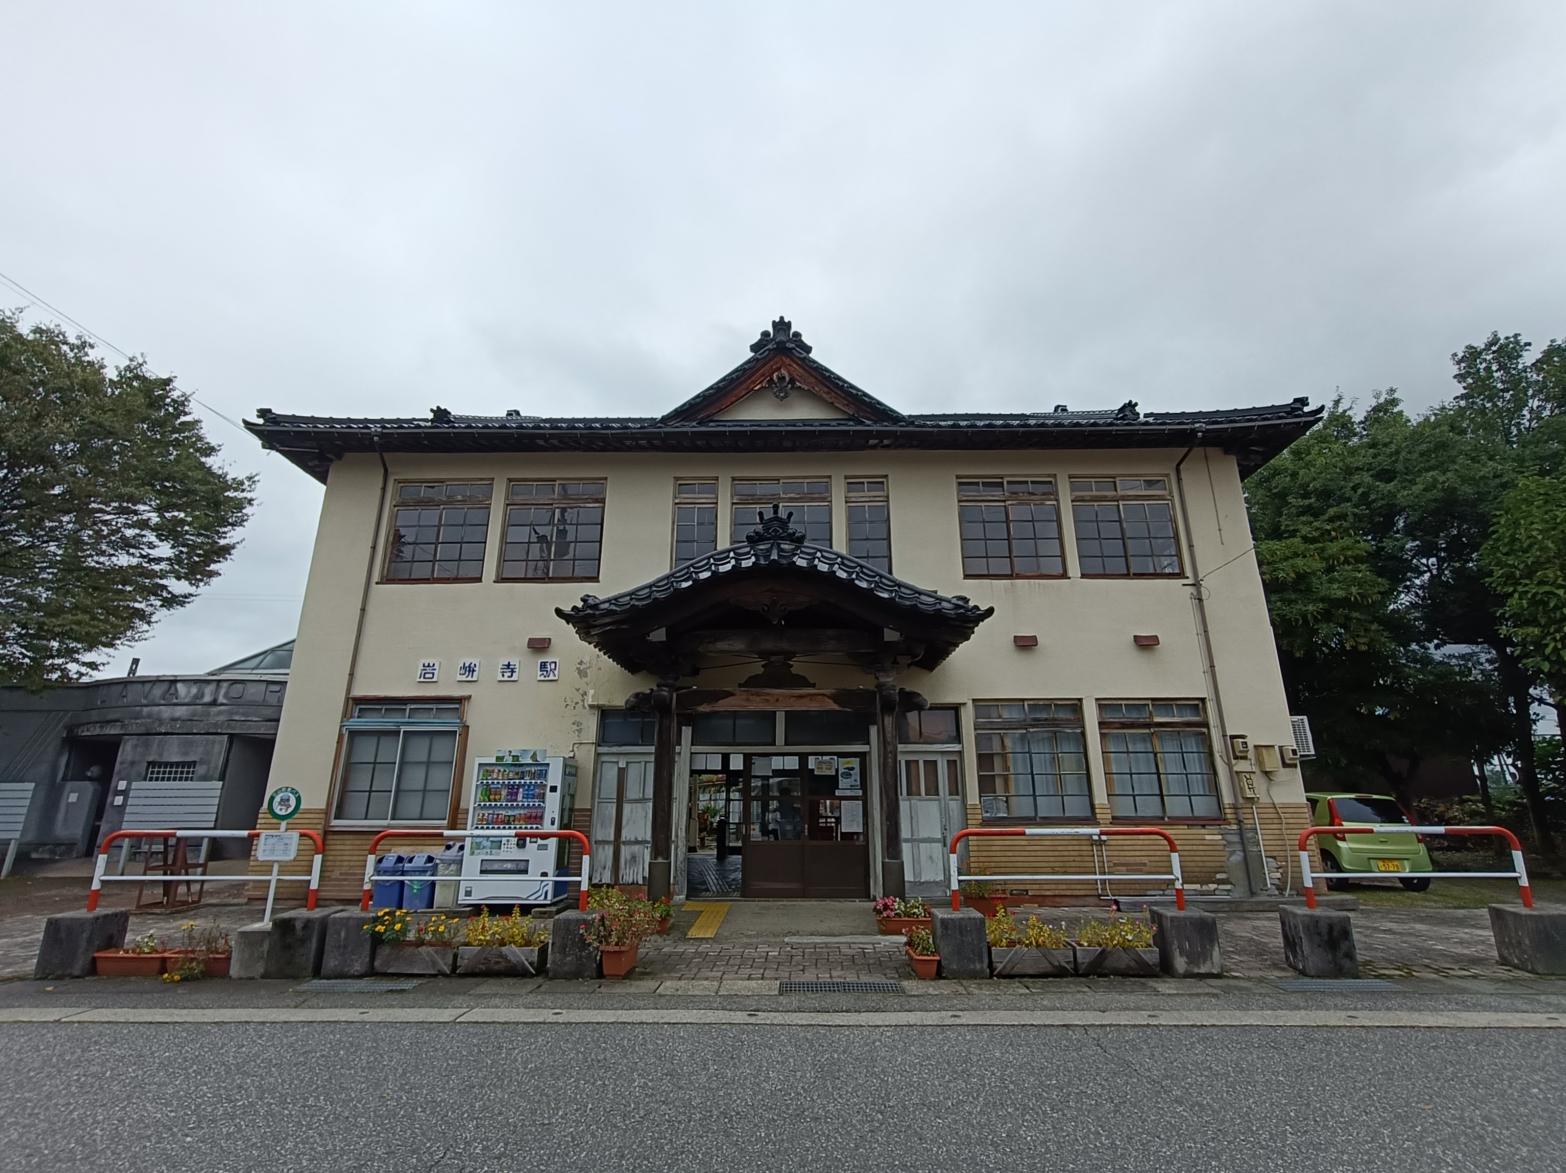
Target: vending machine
<point>513,791</point>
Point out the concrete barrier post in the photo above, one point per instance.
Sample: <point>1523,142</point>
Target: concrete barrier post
<point>570,957</point>
<point>71,938</point>
<point>297,942</point>
<point>249,959</point>
<point>1530,939</point>
<point>1187,942</point>
<point>960,940</point>
<point>349,951</point>
<point>1319,942</point>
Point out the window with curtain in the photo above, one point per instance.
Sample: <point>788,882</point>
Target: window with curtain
<point>399,762</point>
<point>1158,760</point>
<point>1032,760</point>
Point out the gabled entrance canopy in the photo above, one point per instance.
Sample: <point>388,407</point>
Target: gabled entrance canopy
<point>774,597</point>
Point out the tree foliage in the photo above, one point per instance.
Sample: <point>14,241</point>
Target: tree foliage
<point>113,509</point>
<point>1410,593</point>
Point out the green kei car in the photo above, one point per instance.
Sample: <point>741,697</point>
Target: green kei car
<point>1382,856</point>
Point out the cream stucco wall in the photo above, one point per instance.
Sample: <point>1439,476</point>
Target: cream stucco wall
<point>1084,626</point>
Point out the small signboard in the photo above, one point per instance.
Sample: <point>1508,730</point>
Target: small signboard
<point>277,846</point>
<point>549,670</point>
<point>824,764</point>
<point>284,803</point>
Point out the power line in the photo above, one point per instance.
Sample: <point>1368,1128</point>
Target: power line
<point>93,334</point>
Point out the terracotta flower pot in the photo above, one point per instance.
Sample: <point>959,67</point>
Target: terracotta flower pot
<point>216,964</point>
<point>663,926</point>
<point>896,926</point>
<point>113,963</point>
<point>618,960</point>
<point>924,965</point>
<point>985,906</point>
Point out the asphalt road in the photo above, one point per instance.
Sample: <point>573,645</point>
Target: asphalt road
<point>393,1097</point>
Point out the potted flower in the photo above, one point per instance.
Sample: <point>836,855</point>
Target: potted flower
<point>980,896</point>
<point>141,958</point>
<point>1120,946</point>
<point>1033,949</point>
<point>663,912</point>
<point>413,945</point>
<point>616,929</point>
<point>921,952</point>
<point>513,945</point>
<point>895,915</point>
<point>206,945</point>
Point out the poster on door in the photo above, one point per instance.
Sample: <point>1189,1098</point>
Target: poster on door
<point>853,818</point>
<point>848,776</point>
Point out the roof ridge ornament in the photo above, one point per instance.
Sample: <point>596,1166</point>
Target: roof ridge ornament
<point>782,336</point>
<point>776,528</point>
<point>1127,412</point>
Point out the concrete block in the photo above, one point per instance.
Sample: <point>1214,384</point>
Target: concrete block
<point>71,938</point>
<point>1530,939</point>
<point>349,951</point>
<point>960,940</point>
<point>570,957</point>
<point>1187,942</point>
<point>249,944</point>
<point>1319,942</point>
<point>297,943</point>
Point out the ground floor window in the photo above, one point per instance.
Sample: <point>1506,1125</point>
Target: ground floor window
<point>1032,760</point>
<point>399,762</point>
<point>1158,759</point>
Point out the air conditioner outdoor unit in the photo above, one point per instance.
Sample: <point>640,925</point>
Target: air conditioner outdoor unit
<point>1303,741</point>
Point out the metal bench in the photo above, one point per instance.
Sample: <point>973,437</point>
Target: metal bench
<point>16,798</point>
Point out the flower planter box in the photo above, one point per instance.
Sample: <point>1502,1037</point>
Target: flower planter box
<point>896,926</point>
<point>617,960</point>
<point>415,960</point>
<point>985,906</point>
<point>924,965</point>
<point>1027,961</point>
<point>113,963</point>
<point>1116,962</point>
<point>502,960</point>
<point>216,964</point>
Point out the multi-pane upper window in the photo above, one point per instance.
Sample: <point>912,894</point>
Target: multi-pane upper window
<point>170,772</point>
<point>809,501</point>
<point>399,762</point>
<point>1032,760</point>
<point>1158,760</point>
<point>438,532</point>
<point>1010,528</point>
<point>554,530</point>
<point>1125,526</point>
<point>869,521</point>
<point>695,519</point>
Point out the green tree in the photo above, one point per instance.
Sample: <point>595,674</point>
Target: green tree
<point>1526,560</point>
<point>113,509</point>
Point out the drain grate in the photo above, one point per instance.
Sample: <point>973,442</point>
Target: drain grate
<point>840,987</point>
<point>1300,985</point>
<point>353,986</point>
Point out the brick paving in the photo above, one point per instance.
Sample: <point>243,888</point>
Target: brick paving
<point>852,959</point>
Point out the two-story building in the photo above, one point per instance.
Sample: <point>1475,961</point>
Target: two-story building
<point>795,638</point>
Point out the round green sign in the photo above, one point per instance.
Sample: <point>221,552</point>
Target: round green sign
<point>284,803</point>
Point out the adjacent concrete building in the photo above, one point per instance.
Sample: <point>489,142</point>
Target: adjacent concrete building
<point>794,637</point>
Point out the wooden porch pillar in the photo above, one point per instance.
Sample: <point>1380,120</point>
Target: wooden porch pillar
<point>660,872</point>
<point>892,878</point>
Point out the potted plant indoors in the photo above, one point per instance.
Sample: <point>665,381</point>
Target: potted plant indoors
<point>921,952</point>
<point>409,944</point>
<point>1033,949</point>
<point>141,958</point>
<point>618,924</point>
<point>895,915</point>
<point>505,945</point>
<point>1121,946</point>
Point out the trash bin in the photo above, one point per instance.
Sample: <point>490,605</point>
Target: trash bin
<point>448,863</point>
<point>417,894</point>
<point>387,893</point>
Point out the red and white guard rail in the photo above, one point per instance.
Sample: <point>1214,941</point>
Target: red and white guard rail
<point>521,835</point>
<point>99,876</point>
<point>1308,878</point>
<point>1098,834</point>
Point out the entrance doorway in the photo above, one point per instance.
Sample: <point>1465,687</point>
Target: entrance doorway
<point>804,825</point>
<point>930,791</point>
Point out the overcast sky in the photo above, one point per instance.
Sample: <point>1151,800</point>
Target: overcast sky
<point>592,209</point>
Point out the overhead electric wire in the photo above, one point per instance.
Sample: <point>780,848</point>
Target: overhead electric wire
<point>93,334</point>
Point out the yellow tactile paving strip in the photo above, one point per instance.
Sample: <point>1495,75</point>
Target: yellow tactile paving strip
<point>709,918</point>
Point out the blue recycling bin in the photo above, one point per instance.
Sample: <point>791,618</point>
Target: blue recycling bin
<point>387,893</point>
<point>418,894</point>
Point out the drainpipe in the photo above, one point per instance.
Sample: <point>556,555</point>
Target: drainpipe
<point>369,571</point>
<point>1255,877</point>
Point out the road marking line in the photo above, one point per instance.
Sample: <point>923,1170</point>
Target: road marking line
<point>707,923</point>
<point>543,1016</point>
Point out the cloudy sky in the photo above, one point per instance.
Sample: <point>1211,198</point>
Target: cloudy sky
<point>373,208</point>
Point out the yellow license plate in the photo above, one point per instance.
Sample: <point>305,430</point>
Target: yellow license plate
<point>1389,865</point>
